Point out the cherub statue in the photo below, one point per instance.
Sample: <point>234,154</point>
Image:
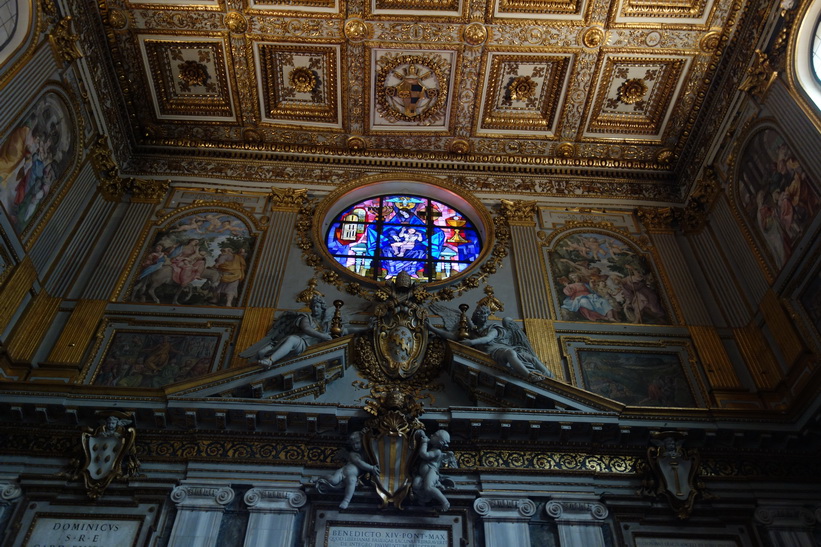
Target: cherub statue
<point>347,476</point>
<point>506,343</point>
<point>291,334</point>
<point>432,454</point>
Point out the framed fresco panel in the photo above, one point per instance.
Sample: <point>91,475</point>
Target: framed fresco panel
<point>198,259</point>
<point>776,194</point>
<point>34,157</point>
<point>155,359</point>
<point>636,377</point>
<point>602,278</point>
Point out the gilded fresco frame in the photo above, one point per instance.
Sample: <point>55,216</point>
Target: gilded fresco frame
<point>571,346</point>
<point>45,210</point>
<point>754,240</point>
<point>641,247</point>
<point>125,284</point>
<point>224,330</point>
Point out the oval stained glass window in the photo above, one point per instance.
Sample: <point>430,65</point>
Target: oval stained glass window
<point>380,237</point>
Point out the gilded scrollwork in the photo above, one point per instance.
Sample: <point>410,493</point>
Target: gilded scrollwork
<point>64,41</point>
<point>519,210</point>
<point>287,198</point>
<point>760,76</point>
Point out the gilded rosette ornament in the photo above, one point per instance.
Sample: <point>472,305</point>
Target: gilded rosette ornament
<point>399,336</point>
<point>593,37</point>
<point>236,22</point>
<point>475,34</point>
<point>356,30</point>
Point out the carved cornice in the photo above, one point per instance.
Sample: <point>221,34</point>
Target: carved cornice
<point>784,516</point>
<point>692,217</point>
<point>700,203</point>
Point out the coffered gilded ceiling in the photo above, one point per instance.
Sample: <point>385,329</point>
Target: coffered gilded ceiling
<point>526,82</point>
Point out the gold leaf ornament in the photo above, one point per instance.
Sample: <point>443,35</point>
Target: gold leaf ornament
<point>302,80</point>
<point>522,88</point>
<point>632,91</point>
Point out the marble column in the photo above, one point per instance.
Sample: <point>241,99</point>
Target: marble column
<point>579,518</point>
<point>10,493</point>
<point>272,516</point>
<point>505,520</point>
<point>199,513</point>
<point>787,525</point>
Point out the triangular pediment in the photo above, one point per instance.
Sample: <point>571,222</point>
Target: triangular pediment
<point>328,374</point>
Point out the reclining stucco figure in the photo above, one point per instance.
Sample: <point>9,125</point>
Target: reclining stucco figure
<point>506,343</point>
<point>292,333</point>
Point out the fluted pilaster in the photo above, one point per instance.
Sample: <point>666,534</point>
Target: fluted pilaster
<point>580,519</point>
<point>273,516</point>
<point>505,520</point>
<point>200,507</point>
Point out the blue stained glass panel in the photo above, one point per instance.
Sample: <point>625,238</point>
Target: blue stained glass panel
<point>428,239</point>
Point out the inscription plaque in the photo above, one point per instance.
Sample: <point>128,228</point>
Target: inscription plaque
<point>91,531</point>
<point>339,535</point>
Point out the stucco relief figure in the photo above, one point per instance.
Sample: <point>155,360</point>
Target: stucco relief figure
<point>291,334</point>
<point>432,454</point>
<point>505,342</point>
<point>347,476</point>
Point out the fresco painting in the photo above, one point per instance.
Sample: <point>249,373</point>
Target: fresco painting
<point>603,279</point>
<point>34,158</point>
<point>200,259</point>
<point>776,194</point>
<point>153,359</point>
<point>637,379</point>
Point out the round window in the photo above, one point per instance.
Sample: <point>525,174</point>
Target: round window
<point>379,237</point>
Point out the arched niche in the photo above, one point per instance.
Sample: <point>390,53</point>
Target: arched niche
<point>603,276</point>
<point>774,193</point>
<point>197,256</point>
<point>36,157</point>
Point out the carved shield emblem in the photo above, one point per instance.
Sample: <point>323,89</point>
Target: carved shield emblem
<point>392,452</point>
<point>103,458</point>
<point>400,341</point>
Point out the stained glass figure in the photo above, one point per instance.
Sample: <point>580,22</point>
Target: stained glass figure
<point>380,237</point>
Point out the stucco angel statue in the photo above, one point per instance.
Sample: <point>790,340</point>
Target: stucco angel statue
<point>347,476</point>
<point>505,342</point>
<point>292,333</point>
<point>432,454</point>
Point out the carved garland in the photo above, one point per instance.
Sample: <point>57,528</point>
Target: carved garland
<point>313,259</point>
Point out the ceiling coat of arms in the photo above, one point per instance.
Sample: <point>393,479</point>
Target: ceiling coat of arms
<point>412,88</point>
